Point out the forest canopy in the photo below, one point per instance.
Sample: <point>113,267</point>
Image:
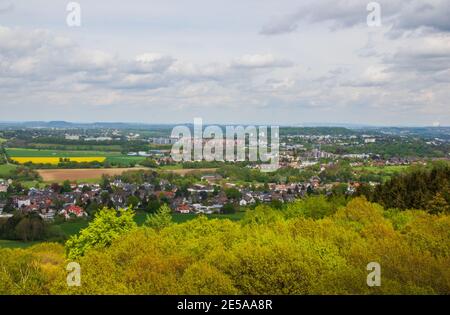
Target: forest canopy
<point>295,250</point>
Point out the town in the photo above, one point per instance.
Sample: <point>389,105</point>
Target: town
<point>70,200</point>
<point>311,161</point>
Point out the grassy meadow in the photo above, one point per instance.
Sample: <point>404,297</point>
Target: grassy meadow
<point>6,169</point>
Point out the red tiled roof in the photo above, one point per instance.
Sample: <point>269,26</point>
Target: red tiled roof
<point>168,194</point>
<point>74,209</point>
<point>183,207</point>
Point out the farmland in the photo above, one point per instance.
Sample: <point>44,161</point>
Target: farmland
<point>118,163</point>
<point>56,160</point>
<point>91,175</point>
<point>37,156</point>
<point>122,159</point>
<point>58,175</point>
<point>78,147</point>
<point>19,152</point>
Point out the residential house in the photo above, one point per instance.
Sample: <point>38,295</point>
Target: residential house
<point>73,210</point>
<point>183,208</point>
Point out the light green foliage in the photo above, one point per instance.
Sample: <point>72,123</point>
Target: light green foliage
<point>262,215</point>
<point>35,270</point>
<point>314,207</point>
<point>161,219</point>
<point>270,251</point>
<point>107,225</point>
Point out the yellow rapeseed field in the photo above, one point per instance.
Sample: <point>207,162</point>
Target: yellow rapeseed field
<point>56,160</point>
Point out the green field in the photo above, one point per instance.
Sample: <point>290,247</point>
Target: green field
<point>18,152</point>
<point>73,227</point>
<point>73,147</point>
<point>124,159</point>
<point>382,170</point>
<point>6,169</point>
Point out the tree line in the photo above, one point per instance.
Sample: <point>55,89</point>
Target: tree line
<point>420,188</point>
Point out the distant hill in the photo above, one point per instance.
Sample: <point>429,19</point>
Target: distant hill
<point>303,128</point>
<point>75,125</point>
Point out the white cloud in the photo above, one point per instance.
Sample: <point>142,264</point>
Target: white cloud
<point>152,62</point>
<point>260,61</point>
<point>174,61</point>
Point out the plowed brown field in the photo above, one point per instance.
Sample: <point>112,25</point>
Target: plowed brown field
<point>58,175</point>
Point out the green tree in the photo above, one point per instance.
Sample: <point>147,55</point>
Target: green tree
<point>30,228</point>
<point>233,193</point>
<point>149,163</point>
<point>133,201</point>
<point>85,189</point>
<point>66,186</point>
<point>276,204</point>
<point>105,197</point>
<point>315,207</point>
<point>161,219</point>
<point>107,225</point>
<point>105,182</point>
<point>92,207</point>
<point>438,205</point>
<point>153,205</point>
<point>228,208</point>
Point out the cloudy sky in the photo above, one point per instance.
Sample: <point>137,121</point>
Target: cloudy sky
<point>247,61</point>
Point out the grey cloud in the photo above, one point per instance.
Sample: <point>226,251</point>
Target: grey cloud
<point>401,15</point>
<point>6,6</point>
<point>286,24</point>
<point>433,14</point>
<point>426,55</point>
<point>442,76</point>
<point>340,13</point>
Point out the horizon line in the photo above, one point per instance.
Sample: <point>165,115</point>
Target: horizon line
<point>298,125</point>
